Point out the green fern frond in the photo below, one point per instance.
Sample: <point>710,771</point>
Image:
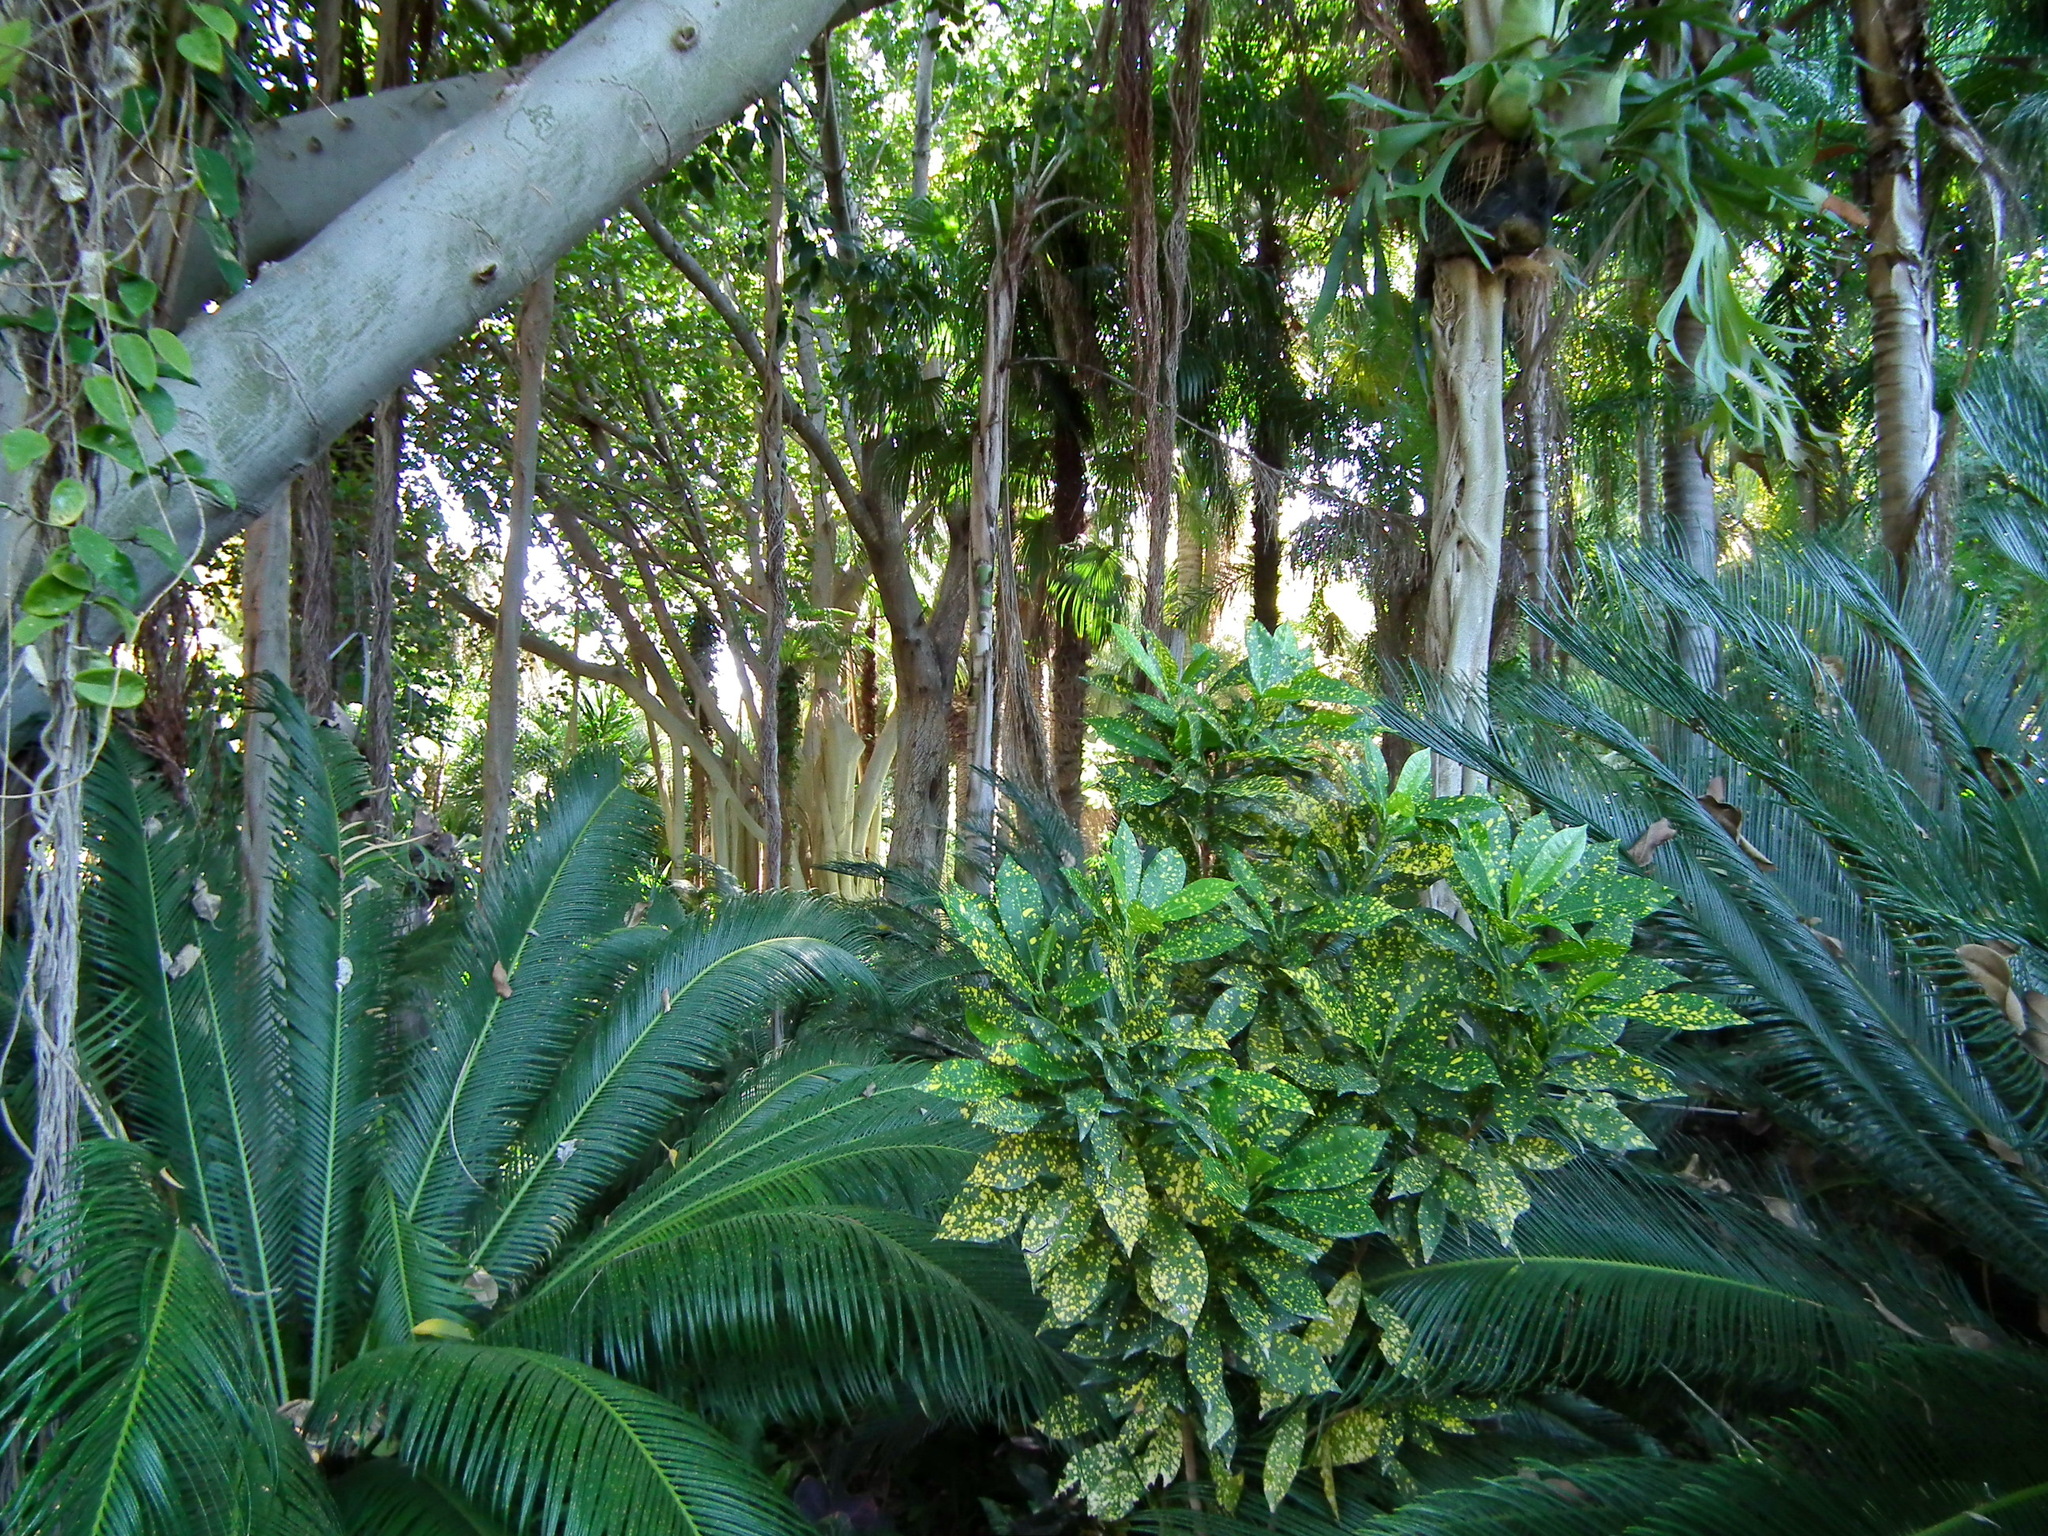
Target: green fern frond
<point>1618,1277</point>
<point>549,1446</point>
<point>207,1076</point>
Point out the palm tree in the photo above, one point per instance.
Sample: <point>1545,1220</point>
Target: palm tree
<point>498,1214</point>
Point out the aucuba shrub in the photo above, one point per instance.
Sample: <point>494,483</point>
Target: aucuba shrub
<point>1247,1039</point>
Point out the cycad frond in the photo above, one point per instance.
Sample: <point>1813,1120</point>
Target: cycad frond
<point>208,1074</point>
<point>1870,745</point>
<point>378,1497</point>
<point>498,1040</point>
<point>548,1445</point>
<point>330,936</point>
<point>1618,1277</point>
<point>789,1266</point>
<point>641,1062</point>
<point>140,1404</point>
<point>1884,1452</point>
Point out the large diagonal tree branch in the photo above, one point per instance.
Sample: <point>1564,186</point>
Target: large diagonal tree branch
<point>287,364</point>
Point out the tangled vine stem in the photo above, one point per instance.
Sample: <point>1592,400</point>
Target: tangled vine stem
<point>105,116</point>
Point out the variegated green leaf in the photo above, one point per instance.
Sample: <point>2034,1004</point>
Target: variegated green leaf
<point>1328,1335</point>
<point>1073,1286</point>
<point>1597,1119</point>
<point>1617,1070</point>
<point>1283,1457</point>
<point>1682,1010</point>
<point>982,1215</point>
<point>1331,1158</point>
<point>1328,1214</point>
<point>1176,1271</point>
<point>1114,1180</point>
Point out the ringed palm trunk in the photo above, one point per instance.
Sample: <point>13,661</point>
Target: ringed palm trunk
<point>1891,42</point>
<point>1691,525</point>
<point>1469,499</point>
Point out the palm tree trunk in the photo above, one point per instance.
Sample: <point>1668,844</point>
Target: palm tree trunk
<point>1468,501</point>
<point>501,725</point>
<point>1890,42</point>
<point>775,481</point>
<point>266,653</point>
<point>1691,524</point>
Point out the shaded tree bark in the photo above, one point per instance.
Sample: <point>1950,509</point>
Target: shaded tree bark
<point>379,697</point>
<point>313,513</point>
<point>501,725</point>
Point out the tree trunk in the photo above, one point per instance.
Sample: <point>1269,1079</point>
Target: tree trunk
<point>1890,43</point>
<point>313,514</point>
<point>1531,289</point>
<point>379,696</point>
<point>1184,97</point>
<point>921,139</point>
<point>501,724</point>
<point>1691,524</point>
<point>309,346</point>
<point>975,857</point>
<point>1468,502</point>
<point>775,479</point>
<point>1067,691</point>
<point>1270,435</point>
<point>266,655</point>
<point>1143,300</point>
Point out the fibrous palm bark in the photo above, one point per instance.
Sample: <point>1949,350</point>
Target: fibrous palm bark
<point>1891,45</point>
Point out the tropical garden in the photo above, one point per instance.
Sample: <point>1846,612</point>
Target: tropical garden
<point>1184,767</point>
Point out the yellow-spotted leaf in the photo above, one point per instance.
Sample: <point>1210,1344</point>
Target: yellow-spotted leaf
<point>1119,1190</point>
<point>1681,1010</point>
<point>1331,1158</point>
<point>971,1082</point>
<point>1176,1272</point>
<point>1597,1119</point>
<point>1072,1287</point>
<point>982,1215</point>
<point>1019,902</point>
<point>1329,1213</point>
<point>1283,1457</point>
<point>1327,1335</point>
<point>974,924</point>
<point>1616,1070</point>
<point>1205,1374</point>
<point>1018,1161</point>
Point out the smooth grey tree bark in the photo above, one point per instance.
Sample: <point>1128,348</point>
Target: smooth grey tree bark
<point>318,338</point>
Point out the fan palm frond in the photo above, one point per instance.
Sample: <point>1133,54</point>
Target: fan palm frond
<point>788,1266</point>
<point>548,1445</point>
